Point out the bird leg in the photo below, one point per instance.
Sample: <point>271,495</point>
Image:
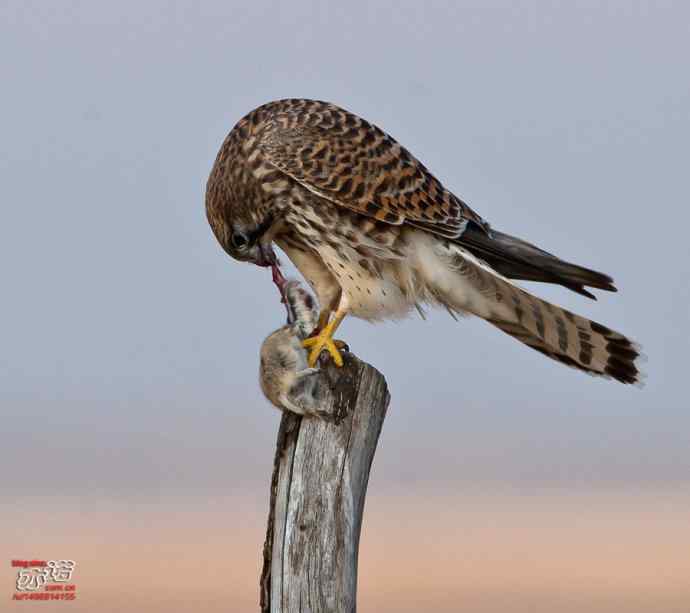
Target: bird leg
<point>324,338</point>
<point>324,318</point>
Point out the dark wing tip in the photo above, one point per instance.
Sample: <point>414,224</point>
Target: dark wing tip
<point>579,288</point>
<point>518,259</point>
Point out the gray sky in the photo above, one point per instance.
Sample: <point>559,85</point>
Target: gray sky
<point>129,341</point>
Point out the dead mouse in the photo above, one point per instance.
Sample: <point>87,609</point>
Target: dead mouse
<point>284,375</point>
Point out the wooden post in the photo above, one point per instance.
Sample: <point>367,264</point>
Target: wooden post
<point>320,476</point>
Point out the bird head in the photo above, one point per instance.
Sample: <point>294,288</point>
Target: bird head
<point>246,234</point>
<point>251,242</point>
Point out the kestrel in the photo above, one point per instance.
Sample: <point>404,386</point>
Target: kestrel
<point>376,235</point>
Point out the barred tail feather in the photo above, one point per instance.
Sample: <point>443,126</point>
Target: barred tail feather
<point>598,350</point>
<point>557,333</point>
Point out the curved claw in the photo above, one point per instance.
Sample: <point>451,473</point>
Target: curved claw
<point>316,344</point>
<point>324,340</point>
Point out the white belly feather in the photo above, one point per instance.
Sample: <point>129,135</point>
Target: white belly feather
<point>422,276</point>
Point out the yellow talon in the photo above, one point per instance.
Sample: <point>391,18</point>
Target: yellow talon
<point>324,340</point>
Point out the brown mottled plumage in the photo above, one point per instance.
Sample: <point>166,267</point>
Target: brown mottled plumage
<point>376,234</point>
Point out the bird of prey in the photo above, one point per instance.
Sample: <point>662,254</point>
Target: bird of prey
<point>377,235</point>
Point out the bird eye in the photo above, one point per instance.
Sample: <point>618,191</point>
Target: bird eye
<point>239,240</point>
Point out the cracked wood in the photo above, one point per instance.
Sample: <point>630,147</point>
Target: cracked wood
<point>321,471</point>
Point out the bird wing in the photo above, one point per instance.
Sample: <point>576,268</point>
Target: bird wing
<point>354,164</point>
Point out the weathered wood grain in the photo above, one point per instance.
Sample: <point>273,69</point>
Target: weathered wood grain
<point>319,483</point>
